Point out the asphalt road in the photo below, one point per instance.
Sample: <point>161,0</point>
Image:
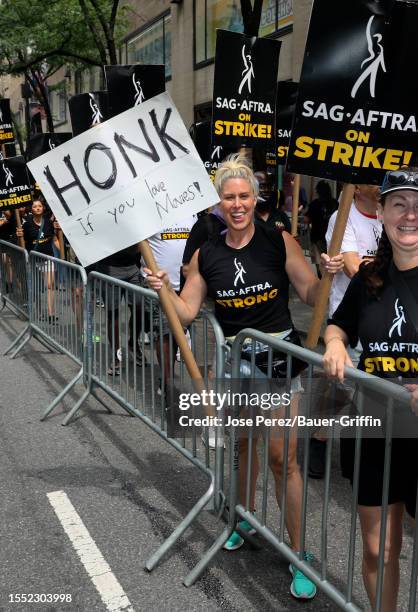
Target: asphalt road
<point>130,489</point>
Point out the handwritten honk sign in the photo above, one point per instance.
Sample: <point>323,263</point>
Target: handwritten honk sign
<point>124,180</point>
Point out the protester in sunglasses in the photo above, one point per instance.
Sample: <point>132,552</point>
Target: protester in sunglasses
<point>374,310</point>
<point>254,265</point>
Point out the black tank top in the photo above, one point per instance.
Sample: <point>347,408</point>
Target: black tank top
<point>250,286</point>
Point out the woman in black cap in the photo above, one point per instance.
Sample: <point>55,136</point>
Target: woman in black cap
<point>379,308</point>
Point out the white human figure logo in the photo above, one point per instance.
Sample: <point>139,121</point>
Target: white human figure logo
<point>239,272</point>
<point>375,61</point>
<point>1,116</point>
<point>376,235</point>
<point>248,72</point>
<point>139,95</point>
<point>216,152</point>
<point>96,116</point>
<point>9,176</point>
<point>398,319</point>
<point>51,145</point>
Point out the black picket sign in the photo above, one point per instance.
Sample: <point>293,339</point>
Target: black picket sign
<point>42,143</point>
<point>244,93</point>
<point>211,156</point>
<point>15,189</point>
<point>10,150</point>
<point>129,85</point>
<point>287,93</point>
<point>6,126</point>
<point>379,7</point>
<point>356,115</point>
<point>87,110</point>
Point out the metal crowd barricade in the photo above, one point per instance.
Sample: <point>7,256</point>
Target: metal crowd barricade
<point>14,278</point>
<point>270,525</point>
<point>56,314</point>
<point>126,369</point>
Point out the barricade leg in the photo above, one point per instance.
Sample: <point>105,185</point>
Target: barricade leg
<point>99,399</point>
<point>47,345</point>
<point>77,406</point>
<point>181,528</point>
<point>207,557</point>
<point>62,394</point>
<point>223,537</point>
<point>17,340</point>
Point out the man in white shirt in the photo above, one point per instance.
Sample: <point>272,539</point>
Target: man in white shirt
<point>360,242</point>
<point>168,247</point>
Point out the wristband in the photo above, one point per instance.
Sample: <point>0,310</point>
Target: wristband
<point>335,338</point>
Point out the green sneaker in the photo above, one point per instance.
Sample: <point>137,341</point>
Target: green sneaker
<point>302,587</point>
<point>95,339</point>
<point>235,541</point>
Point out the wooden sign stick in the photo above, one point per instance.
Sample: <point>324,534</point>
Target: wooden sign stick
<point>61,242</point>
<point>295,205</point>
<point>321,304</point>
<point>173,320</point>
<point>19,226</point>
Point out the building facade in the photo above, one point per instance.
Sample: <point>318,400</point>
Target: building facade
<point>182,34</point>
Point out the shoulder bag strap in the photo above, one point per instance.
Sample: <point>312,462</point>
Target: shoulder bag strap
<point>38,237</point>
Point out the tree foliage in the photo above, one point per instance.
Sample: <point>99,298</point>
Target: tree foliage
<point>39,37</point>
<point>78,33</point>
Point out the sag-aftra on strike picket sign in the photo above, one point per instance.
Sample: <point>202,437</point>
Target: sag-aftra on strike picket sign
<point>15,190</point>
<point>244,91</point>
<point>131,85</point>
<point>287,92</point>
<point>124,180</point>
<point>357,113</point>
<point>6,126</point>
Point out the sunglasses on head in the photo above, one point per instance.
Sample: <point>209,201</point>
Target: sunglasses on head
<point>400,177</point>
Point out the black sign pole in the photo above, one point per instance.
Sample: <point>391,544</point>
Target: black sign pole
<point>251,18</point>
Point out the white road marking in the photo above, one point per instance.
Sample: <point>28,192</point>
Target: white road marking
<point>106,583</point>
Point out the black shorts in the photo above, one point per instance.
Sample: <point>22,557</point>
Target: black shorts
<point>113,295</point>
<point>403,470</point>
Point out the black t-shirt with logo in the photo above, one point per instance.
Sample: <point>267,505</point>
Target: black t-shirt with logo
<point>319,213</point>
<point>124,258</point>
<point>8,230</point>
<point>206,227</point>
<point>277,220</point>
<point>250,286</point>
<point>388,338</point>
<point>43,244</point>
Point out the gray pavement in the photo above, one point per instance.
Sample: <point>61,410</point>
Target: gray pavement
<point>130,489</point>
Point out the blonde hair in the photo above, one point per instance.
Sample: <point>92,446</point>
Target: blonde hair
<point>235,166</point>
